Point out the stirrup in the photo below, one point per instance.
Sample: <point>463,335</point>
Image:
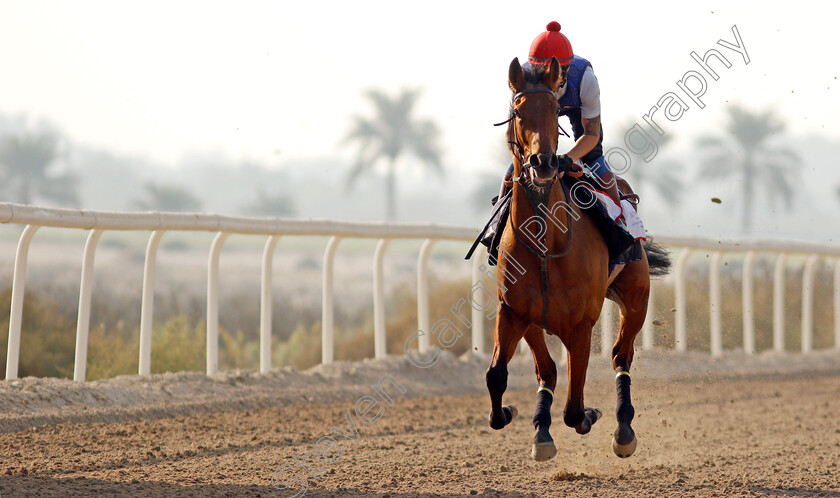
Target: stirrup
<point>631,198</point>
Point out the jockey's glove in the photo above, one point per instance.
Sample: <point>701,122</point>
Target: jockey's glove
<point>565,163</point>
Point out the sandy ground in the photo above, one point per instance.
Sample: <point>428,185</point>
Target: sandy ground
<point>766,425</point>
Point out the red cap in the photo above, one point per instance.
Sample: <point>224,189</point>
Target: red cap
<point>551,43</point>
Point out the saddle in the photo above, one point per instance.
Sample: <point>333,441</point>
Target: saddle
<point>622,247</point>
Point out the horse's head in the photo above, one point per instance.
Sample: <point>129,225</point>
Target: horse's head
<point>533,132</point>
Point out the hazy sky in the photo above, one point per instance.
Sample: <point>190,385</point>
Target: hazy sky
<point>276,80</point>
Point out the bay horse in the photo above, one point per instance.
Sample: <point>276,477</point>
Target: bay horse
<point>557,283</point>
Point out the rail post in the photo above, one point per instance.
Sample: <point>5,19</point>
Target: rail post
<point>147,305</point>
<point>715,304</point>
<point>379,333</point>
<point>477,322</point>
<point>213,303</point>
<point>266,303</point>
<point>85,291</point>
<point>808,303</point>
<point>423,294</point>
<point>837,304</point>
<point>779,303</point>
<point>327,311</point>
<point>607,326</point>
<point>747,297</point>
<point>680,332</point>
<point>16,310</point>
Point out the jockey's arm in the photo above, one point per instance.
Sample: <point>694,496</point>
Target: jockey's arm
<point>590,115</point>
<point>589,139</point>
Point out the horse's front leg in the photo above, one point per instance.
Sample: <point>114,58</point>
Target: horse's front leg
<point>543,448</point>
<point>509,330</point>
<point>577,345</point>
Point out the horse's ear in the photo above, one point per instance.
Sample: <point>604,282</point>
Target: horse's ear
<point>516,76</point>
<point>552,76</point>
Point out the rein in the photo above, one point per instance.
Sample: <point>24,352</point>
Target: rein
<point>512,140</point>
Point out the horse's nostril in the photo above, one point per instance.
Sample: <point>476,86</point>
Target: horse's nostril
<point>545,160</point>
<point>534,160</point>
<point>554,161</point>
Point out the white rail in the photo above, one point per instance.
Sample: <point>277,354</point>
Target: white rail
<point>751,248</point>
<point>159,223</point>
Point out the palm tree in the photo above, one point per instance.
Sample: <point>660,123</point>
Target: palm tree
<point>26,161</point>
<point>661,174</point>
<point>392,131</point>
<point>747,156</point>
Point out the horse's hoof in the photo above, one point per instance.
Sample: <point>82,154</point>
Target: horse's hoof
<point>510,409</point>
<point>509,412</point>
<point>497,423</point>
<point>625,450</point>
<point>543,448</point>
<point>591,415</point>
<point>624,441</point>
<point>542,452</point>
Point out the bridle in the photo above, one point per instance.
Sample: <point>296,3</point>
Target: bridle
<point>514,113</point>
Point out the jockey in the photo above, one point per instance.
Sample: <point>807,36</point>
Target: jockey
<point>580,100</point>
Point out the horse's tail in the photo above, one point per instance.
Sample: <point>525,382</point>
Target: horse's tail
<point>658,258</point>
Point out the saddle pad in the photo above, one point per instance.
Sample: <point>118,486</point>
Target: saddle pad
<point>617,238</point>
<point>625,215</point>
<point>620,243</point>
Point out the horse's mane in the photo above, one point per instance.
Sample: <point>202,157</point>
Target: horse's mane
<point>534,74</point>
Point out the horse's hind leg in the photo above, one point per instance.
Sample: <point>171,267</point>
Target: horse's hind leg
<point>630,290</point>
<point>546,370</point>
<point>509,330</point>
<point>576,414</point>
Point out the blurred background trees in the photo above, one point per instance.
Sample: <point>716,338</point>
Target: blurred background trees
<point>158,197</point>
<point>391,132</point>
<point>29,163</point>
<point>746,163</point>
<point>660,178</point>
<point>270,204</point>
<point>745,153</point>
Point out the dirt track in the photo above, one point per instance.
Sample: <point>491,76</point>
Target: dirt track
<point>718,434</point>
